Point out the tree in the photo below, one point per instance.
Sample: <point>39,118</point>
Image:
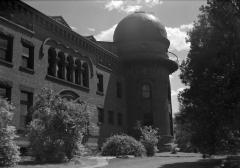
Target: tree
<point>9,153</point>
<point>57,127</point>
<point>210,106</point>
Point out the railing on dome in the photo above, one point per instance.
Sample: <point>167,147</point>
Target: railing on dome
<point>173,57</point>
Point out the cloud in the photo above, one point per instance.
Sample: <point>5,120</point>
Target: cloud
<point>177,37</point>
<point>152,3</point>
<point>129,6</point>
<point>114,4</point>
<point>91,29</point>
<point>106,35</point>
<point>132,8</point>
<point>175,93</point>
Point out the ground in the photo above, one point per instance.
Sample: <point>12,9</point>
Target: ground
<point>165,160</point>
<point>161,160</point>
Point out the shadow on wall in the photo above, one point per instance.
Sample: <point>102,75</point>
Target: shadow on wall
<point>114,114</point>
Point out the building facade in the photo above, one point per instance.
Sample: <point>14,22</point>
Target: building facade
<point>122,82</point>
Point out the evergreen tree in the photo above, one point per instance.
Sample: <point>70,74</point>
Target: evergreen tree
<point>210,106</point>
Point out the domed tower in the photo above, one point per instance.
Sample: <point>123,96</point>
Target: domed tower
<point>142,46</point>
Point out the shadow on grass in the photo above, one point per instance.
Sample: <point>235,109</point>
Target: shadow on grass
<point>203,163</point>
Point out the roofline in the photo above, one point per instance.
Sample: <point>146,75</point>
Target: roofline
<point>54,21</point>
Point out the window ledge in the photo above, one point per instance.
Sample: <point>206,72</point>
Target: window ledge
<point>27,70</point>
<point>6,63</point>
<point>100,93</point>
<point>65,82</point>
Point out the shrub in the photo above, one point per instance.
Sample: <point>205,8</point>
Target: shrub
<point>9,151</point>
<point>149,138</point>
<point>122,145</point>
<point>57,127</point>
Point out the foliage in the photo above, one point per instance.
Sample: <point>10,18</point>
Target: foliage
<point>183,136</point>
<point>149,138</point>
<point>210,105</point>
<point>117,145</point>
<point>231,162</point>
<point>57,127</point>
<point>9,151</point>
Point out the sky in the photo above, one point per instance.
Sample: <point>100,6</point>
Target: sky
<point>100,18</point>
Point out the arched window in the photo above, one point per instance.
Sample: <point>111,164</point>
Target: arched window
<point>85,75</point>
<point>78,72</point>
<point>146,91</point>
<point>69,68</point>
<point>52,61</point>
<point>61,65</point>
<point>69,95</point>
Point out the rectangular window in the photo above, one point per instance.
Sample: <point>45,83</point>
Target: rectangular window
<point>5,48</point>
<point>119,90</point>
<point>5,92</point>
<point>111,117</point>
<point>27,56</point>
<point>100,115</point>
<point>100,83</point>
<point>120,119</point>
<point>26,101</point>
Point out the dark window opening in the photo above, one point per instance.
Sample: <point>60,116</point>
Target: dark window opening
<point>52,62</point>
<point>69,69</point>
<point>100,115</point>
<point>100,83</point>
<point>78,72</point>
<point>27,56</point>
<point>85,75</point>
<point>26,102</point>
<point>119,90</point>
<point>111,117</point>
<point>61,66</point>
<point>6,48</point>
<point>120,119</point>
<point>5,92</point>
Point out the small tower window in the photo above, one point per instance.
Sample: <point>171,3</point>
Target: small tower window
<point>100,83</point>
<point>146,91</point>
<point>119,90</point>
<point>111,117</point>
<point>100,115</point>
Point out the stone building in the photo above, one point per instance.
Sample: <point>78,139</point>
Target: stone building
<point>122,81</point>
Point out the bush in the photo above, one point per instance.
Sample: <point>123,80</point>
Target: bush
<point>57,127</point>
<point>122,145</point>
<point>9,151</point>
<point>149,138</point>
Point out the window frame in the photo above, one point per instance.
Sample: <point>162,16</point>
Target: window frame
<point>8,49</point>
<point>110,117</point>
<point>29,57</point>
<point>119,119</point>
<point>8,91</point>
<point>29,104</point>
<point>100,115</point>
<point>100,83</point>
<point>145,92</point>
<point>119,89</point>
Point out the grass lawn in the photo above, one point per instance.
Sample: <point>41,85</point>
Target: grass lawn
<point>75,163</point>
